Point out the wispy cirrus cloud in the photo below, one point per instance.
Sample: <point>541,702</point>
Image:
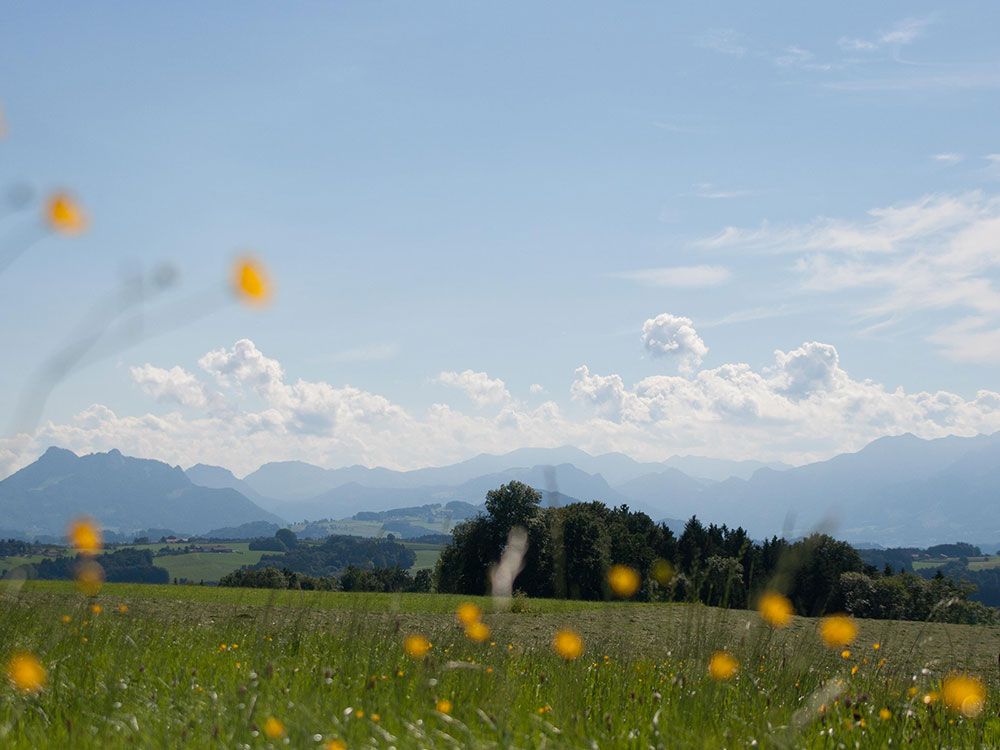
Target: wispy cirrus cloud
<point>714,192</point>
<point>948,157</point>
<point>938,253</point>
<point>725,41</point>
<point>678,276</point>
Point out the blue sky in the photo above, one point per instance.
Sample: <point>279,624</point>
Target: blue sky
<point>449,195</point>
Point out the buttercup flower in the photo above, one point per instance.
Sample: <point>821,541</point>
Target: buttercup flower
<point>568,644</point>
<point>964,694</point>
<point>416,646</point>
<point>775,609</point>
<point>837,631</point>
<point>624,581</point>
<point>722,666</point>
<point>26,672</point>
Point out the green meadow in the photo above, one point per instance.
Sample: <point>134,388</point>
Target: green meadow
<point>211,566</point>
<point>205,667</point>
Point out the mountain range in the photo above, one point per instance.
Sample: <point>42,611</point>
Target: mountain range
<point>899,490</point>
<point>123,493</point>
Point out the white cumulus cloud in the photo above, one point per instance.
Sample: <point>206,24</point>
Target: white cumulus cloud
<point>805,406</point>
<point>672,336</point>
<point>478,386</point>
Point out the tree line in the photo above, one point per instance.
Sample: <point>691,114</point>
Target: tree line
<point>121,566</point>
<point>571,548</point>
<point>382,580</point>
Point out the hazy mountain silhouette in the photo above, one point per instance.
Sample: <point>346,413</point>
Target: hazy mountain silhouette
<point>122,493</point>
<point>898,490</point>
<point>216,477</point>
<point>295,480</point>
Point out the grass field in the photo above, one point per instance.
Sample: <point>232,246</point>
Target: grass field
<point>211,566</point>
<point>427,555</point>
<point>985,562</point>
<point>210,668</point>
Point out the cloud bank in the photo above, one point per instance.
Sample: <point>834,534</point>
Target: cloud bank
<point>242,410</point>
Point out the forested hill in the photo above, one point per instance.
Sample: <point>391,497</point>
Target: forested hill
<point>570,550</point>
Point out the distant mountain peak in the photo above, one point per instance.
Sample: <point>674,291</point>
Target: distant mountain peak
<point>57,452</point>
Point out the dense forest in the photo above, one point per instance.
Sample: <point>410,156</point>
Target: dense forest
<point>332,556</point>
<point>571,548</point>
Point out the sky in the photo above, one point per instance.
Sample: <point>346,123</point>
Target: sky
<point>645,227</point>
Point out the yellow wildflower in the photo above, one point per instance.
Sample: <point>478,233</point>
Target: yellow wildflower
<point>250,281</point>
<point>964,694</point>
<point>273,728</point>
<point>477,631</point>
<point>568,644</point>
<point>722,666</point>
<point>885,714</point>
<point>85,536</point>
<point>468,613</point>
<point>26,672</point>
<point>837,630</point>
<point>624,581</point>
<point>64,215</point>
<point>444,706</point>
<point>89,577</point>
<point>416,646</point>
<point>775,609</point>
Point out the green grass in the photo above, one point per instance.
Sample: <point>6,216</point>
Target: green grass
<point>193,566</point>
<point>326,664</point>
<point>427,555</point>
<point>985,562</point>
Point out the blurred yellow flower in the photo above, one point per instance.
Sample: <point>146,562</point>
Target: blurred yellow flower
<point>96,609</point>
<point>444,706</point>
<point>663,572</point>
<point>26,672</point>
<point>64,215</point>
<point>123,608</point>
<point>929,698</point>
<point>89,577</point>
<point>273,728</point>
<point>775,609</point>
<point>416,646</point>
<point>85,536</point>
<point>846,653</point>
<point>885,714</point>
<point>477,631</point>
<point>964,694</point>
<point>468,613</point>
<point>65,618</point>
<point>722,666</point>
<point>568,644</point>
<point>336,745</point>
<point>623,580</point>
<point>837,630</point>
<point>250,282</point>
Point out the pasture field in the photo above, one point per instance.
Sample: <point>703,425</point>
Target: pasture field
<point>984,562</point>
<point>427,555</point>
<point>202,667</point>
<point>211,566</point>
